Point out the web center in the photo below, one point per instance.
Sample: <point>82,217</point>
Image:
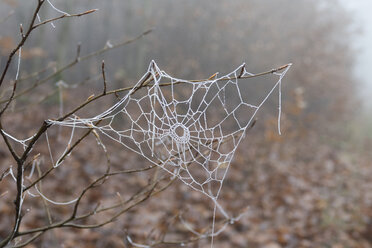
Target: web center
<point>180,133</point>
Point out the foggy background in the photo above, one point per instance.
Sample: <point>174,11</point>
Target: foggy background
<point>309,187</point>
<point>359,10</point>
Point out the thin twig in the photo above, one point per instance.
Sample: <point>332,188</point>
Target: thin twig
<point>64,16</point>
<point>104,78</point>
<point>4,174</point>
<point>29,240</point>
<point>21,43</point>
<point>10,148</point>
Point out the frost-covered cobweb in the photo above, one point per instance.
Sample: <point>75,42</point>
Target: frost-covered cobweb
<point>191,129</point>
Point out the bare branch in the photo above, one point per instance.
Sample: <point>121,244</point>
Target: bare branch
<point>104,78</point>
<point>33,238</point>
<point>4,174</point>
<point>10,148</point>
<point>64,16</point>
<point>21,43</point>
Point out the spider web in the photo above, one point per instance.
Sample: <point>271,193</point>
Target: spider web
<point>191,129</point>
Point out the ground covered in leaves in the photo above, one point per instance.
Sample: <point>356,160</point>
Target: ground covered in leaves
<point>294,191</point>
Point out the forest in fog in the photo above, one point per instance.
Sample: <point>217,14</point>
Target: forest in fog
<point>308,187</point>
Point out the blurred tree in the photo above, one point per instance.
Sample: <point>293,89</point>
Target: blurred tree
<point>193,39</point>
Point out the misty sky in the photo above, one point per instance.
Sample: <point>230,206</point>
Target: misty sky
<point>361,10</point>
